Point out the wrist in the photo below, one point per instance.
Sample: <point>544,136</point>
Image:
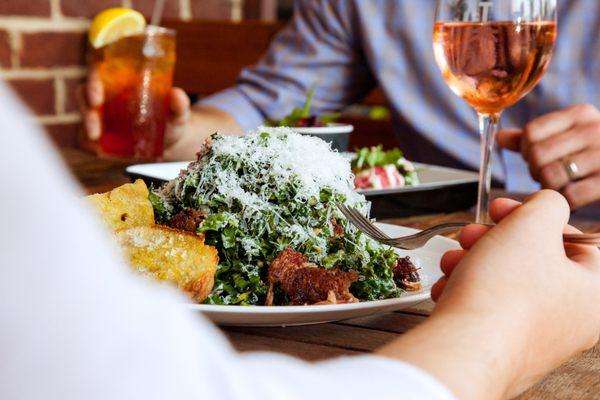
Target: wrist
<point>469,353</point>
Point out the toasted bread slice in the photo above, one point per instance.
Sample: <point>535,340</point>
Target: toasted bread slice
<point>171,255</point>
<point>125,207</point>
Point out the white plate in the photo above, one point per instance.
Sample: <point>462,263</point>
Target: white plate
<point>330,129</point>
<point>431,176</point>
<point>427,258</point>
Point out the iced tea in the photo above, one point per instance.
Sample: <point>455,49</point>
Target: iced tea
<point>137,76</point>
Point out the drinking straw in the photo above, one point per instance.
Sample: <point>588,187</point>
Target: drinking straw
<point>157,11</point>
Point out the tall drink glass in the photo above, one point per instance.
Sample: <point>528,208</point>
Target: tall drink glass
<point>137,76</point>
<point>492,53</point>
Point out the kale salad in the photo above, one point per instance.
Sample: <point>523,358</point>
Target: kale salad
<point>269,191</point>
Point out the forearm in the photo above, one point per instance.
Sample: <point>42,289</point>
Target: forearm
<point>471,355</point>
<point>208,120</point>
<point>202,122</point>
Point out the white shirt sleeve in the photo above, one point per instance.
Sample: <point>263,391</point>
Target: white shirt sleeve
<point>75,323</point>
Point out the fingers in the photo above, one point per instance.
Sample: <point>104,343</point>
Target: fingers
<point>81,97</point>
<point>539,221</point>
<point>450,260</point>
<point>583,192</point>
<point>92,123</point>
<point>438,288</point>
<point>501,208</point>
<point>569,133</point>
<point>549,203</point>
<point>510,139</point>
<point>470,234</point>
<point>559,121</point>
<point>94,90</point>
<point>90,97</point>
<point>448,263</point>
<point>91,116</point>
<point>543,216</point>
<point>561,145</point>
<point>552,176</point>
<point>555,176</point>
<point>581,139</point>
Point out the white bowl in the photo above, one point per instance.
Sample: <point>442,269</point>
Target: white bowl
<point>337,134</point>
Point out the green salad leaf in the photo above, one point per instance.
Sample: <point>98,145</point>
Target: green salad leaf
<point>298,115</point>
<point>265,192</point>
<point>370,157</point>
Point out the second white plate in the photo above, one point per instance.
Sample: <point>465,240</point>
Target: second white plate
<point>431,176</point>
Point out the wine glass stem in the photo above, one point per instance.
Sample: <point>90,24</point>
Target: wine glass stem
<point>488,127</point>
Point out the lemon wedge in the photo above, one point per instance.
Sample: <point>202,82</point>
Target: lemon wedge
<point>113,24</point>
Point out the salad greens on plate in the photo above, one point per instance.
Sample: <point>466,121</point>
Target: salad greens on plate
<point>371,162</point>
<point>301,117</point>
<point>268,191</point>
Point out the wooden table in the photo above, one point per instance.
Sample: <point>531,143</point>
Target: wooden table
<point>578,379</point>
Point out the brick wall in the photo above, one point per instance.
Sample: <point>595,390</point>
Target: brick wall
<point>43,47</point>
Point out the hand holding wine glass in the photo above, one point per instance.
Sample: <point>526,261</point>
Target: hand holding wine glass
<point>492,53</point>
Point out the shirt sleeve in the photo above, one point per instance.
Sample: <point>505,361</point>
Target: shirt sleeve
<point>319,46</point>
<point>361,377</point>
<point>77,324</point>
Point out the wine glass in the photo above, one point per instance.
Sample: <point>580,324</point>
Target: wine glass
<point>492,53</point>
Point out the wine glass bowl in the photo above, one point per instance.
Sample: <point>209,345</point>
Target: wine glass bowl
<point>492,53</point>
<point>492,74</point>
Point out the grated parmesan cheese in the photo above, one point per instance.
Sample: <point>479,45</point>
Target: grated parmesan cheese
<point>288,157</point>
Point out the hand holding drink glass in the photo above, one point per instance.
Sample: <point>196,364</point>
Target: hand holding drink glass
<point>492,53</point>
<point>135,65</point>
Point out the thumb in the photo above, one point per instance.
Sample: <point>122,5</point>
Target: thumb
<point>542,218</point>
<point>510,139</point>
<point>180,107</point>
<point>499,209</point>
<point>179,118</point>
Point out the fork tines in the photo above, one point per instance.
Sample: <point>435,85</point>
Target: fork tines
<point>363,223</point>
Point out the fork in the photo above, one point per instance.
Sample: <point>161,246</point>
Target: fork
<point>418,240</point>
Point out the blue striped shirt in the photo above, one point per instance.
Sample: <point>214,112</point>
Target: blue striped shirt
<point>348,47</point>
